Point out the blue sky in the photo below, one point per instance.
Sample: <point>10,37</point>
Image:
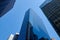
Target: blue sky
<point>11,22</point>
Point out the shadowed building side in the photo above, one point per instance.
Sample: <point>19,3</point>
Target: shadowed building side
<point>22,35</point>
<point>5,6</point>
<point>26,32</point>
<point>52,12</point>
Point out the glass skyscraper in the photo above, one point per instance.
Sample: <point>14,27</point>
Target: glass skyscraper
<point>31,27</point>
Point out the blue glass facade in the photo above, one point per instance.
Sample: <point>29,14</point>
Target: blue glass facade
<point>32,28</point>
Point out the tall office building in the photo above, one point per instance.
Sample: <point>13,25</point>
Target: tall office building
<point>26,32</point>
<point>52,12</point>
<point>32,27</point>
<point>5,6</point>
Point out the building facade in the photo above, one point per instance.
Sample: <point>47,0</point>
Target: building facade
<point>5,6</point>
<point>52,12</point>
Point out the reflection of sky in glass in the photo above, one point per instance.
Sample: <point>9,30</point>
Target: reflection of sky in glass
<point>38,25</point>
<point>12,21</point>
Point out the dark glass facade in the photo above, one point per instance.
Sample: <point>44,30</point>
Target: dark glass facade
<point>26,32</point>
<point>43,38</point>
<point>24,27</point>
<point>52,12</point>
<point>5,6</point>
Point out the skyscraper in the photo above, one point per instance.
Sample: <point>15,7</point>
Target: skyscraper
<point>52,12</point>
<point>32,27</point>
<point>5,6</point>
<point>26,32</point>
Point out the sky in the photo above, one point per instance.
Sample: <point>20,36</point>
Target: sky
<point>11,22</point>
